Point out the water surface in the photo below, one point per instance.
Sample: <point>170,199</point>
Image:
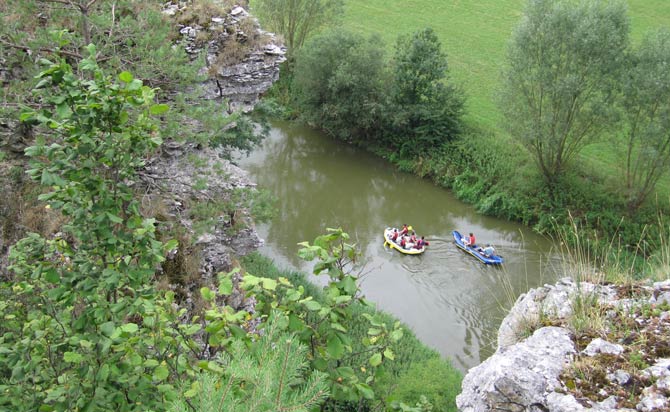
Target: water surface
<point>453,302</point>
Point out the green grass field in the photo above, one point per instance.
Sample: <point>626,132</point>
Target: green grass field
<point>474,34</point>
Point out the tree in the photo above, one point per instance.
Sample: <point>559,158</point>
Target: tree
<point>560,86</point>
<point>646,106</point>
<point>84,328</point>
<point>338,84</point>
<point>425,112</point>
<point>297,19</point>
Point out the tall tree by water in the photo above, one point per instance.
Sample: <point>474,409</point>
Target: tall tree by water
<point>297,19</point>
<point>560,84</point>
<point>425,111</point>
<point>646,106</point>
<point>338,85</point>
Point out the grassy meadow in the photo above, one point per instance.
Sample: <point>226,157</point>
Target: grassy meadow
<point>474,34</point>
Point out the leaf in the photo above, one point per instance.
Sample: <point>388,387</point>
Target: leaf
<point>335,348</point>
<point>225,285</point>
<point>160,373</point>
<point>130,328</point>
<point>51,276</point>
<point>195,390</point>
<point>349,285</point>
<point>159,109</point>
<point>396,335</point>
<point>374,331</point>
<point>346,372</point>
<point>338,326</point>
<point>107,328</point>
<point>114,218</point>
<point>90,48</point>
<point>269,284</point>
<point>311,304</point>
<point>170,245</point>
<point>126,77</point>
<point>103,373</point>
<point>207,294</point>
<point>388,353</point>
<point>135,85</point>
<point>365,390</point>
<point>151,363</point>
<point>63,110</point>
<point>72,357</point>
<point>376,359</point>
<point>342,299</point>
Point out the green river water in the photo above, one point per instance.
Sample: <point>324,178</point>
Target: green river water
<point>450,300</point>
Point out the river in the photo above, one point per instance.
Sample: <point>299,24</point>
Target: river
<point>450,300</point>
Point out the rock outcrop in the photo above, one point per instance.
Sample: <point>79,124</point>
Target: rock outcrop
<point>183,178</point>
<point>242,59</point>
<point>518,378</point>
<point>554,370</point>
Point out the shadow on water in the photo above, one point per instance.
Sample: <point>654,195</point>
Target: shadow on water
<point>453,302</point>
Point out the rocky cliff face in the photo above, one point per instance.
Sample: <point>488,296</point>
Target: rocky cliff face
<point>591,348</point>
<point>242,60</point>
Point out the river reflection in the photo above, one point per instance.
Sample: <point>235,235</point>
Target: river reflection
<point>451,301</point>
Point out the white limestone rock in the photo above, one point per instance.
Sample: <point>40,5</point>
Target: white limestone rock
<point>518,377</point>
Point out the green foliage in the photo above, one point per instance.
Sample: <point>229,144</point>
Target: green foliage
<point>408,351</point>
<point>559,89</point>
<point>338,85</point>
<point>270,375</point>
<point>296,20</point>
<point>425,112</point>
<point>343,86</point>
<point>646,106</point>
<point>433,379</point>
<point>130,35</point>
<point>322,322</point>
<point>83,327</point>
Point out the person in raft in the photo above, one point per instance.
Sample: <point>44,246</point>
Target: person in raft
<point>421,243</point>
<point>489,251</point>
<point>470,241</point>
<point>403,243</point>
<point>394,236</point>
<point>404,230</point>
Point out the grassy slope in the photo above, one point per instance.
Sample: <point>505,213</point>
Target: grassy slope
<point>475,34</point>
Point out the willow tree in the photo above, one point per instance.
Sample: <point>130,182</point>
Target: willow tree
<point>646,106</point>
<point>561,81</point>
